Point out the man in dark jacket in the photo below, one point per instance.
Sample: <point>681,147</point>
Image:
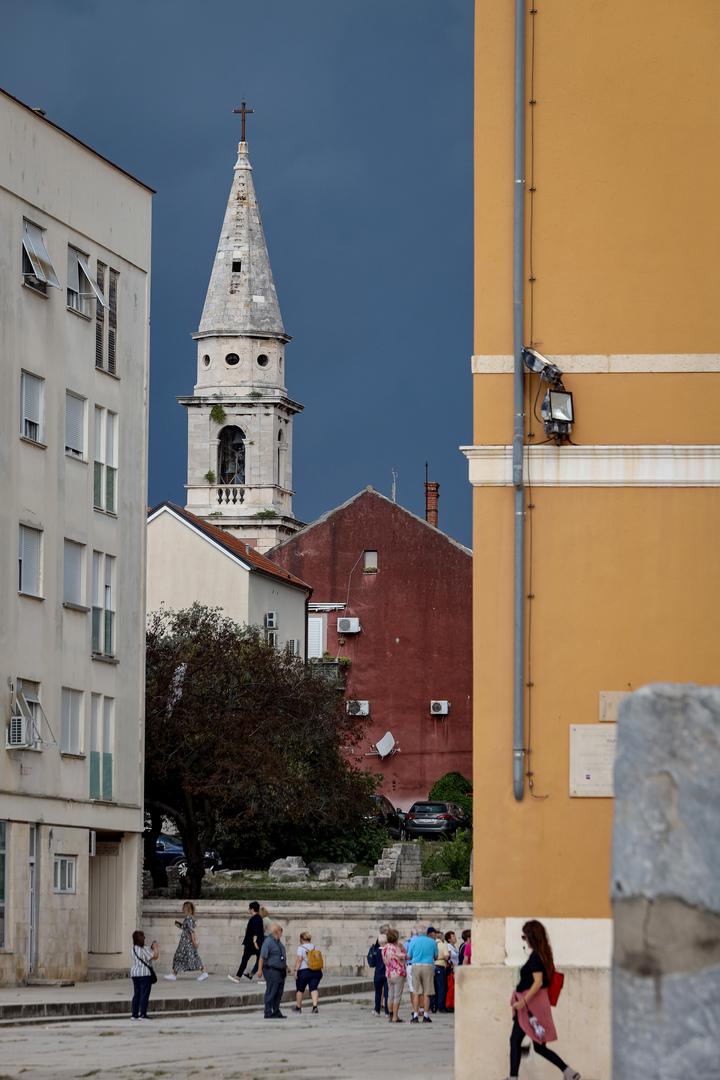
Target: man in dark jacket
<point>273,965</point>
<point>375,960</point>
<point>252,942</point>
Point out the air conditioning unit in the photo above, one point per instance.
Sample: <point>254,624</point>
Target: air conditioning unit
<point>348,626</point>
<point>439,708</point>
<point>293,646</point>
<point>271,638</point>
<point>358,708</point>
<point>271,620</point>
<point>18,732</point>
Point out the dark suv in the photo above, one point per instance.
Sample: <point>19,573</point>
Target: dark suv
<point>385,814</point>
<point>441,819</point>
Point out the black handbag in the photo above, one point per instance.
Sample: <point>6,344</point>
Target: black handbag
<point>151,969</point>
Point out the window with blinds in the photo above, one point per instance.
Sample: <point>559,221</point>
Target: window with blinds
<point>315,637</point>
<point>100,319</point>
<point>73,560</point>
<point>37,269</point>
<point>105,465</point>
<point>103,604</point>
<point>102,724</point>
<point>29,560</point>
<point>32,395</point>
<point>74,425</point>
<point>71,721</point>
<point>82,288</point>
<point>112,322</point>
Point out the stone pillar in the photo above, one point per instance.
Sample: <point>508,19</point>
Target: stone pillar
<point>666,885</point>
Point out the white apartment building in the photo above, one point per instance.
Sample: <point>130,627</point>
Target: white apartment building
<point>74,303</point>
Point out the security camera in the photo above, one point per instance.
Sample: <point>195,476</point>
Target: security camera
<point>540,365</point>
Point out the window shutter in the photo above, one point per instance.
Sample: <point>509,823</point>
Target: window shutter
<point>100,318</point>
<point>73,591</point>
<point>74,424</point>
<point>315,636</point>
<point>107,745</point>
<point>31,406</point>
<point>112,320</point>
<point>34,244</point>
<point>30,560</point>
<point>73,278</point>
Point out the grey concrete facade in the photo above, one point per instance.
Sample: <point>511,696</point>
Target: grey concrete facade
<point>240,418</point>
<point>666,885</point>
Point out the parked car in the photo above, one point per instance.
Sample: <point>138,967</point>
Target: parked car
<point>170,852</point>
<point>390,817</point>
<point>441,819</point>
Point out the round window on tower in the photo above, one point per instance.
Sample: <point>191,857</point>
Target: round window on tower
<point>263,360</point>
<point>232,359</point>
<point>206,361</point>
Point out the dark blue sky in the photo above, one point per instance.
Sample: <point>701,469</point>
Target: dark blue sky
<point>361,147</point>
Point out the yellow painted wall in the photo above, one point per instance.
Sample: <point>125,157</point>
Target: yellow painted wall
<point>627,591</point>
<point>625,239</point>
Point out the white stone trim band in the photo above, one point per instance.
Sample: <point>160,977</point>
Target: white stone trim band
<point>598,466</point>
<point>612,364</point>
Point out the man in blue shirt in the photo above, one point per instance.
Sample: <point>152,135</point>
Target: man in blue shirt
<point>422,952</point>
<point>273,965</point>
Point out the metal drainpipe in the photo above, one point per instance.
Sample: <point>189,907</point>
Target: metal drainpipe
<point>519,396</point>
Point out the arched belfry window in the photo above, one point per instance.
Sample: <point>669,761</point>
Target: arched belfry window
<point>231,456</point>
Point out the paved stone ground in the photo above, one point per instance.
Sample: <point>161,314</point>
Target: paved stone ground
<point>344,1042</point>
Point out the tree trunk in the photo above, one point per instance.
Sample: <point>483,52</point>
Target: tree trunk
<point>191,883</point>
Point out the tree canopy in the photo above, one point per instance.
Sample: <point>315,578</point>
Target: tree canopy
<point>244,742</point>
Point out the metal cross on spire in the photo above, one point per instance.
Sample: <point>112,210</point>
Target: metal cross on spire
<point>244,112</point>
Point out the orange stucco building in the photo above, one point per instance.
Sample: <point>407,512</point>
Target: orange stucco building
<point>621,583</point>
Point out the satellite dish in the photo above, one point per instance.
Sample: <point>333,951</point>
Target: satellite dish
<point>386,745</point>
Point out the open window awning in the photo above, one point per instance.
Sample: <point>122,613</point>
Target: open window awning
<point>80,278</point>
<point>37,253</point>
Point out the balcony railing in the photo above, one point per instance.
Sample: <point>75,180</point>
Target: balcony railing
<point>230,494</point>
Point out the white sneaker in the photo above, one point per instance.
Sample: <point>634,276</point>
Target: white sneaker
<point>233,978</point>
<point>170,978</point>
<point>202,977</point>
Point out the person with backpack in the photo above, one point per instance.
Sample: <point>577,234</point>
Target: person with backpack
<point>142,974</point>
<point>466,935</point>
<point>375,961</point>
<point>308,971</point>
<point>531,1005</point>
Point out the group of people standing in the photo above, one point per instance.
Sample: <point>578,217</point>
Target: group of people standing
<point>425,963</point>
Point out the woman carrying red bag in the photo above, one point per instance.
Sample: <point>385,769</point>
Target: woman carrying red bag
<point>532,1011</point>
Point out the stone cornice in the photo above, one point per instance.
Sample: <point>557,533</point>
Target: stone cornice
<point>607,364</point>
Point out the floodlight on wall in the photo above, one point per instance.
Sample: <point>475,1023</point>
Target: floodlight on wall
<point>540,365</point>
<point>557,413</point>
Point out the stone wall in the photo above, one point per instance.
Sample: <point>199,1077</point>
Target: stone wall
<point>344,930</point>
<point>666,885</point>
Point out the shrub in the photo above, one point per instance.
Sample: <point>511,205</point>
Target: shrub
<point>453,787</point>
<point>452,858</point>
<point>218,414</point>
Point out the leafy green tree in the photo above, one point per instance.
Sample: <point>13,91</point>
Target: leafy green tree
<point>243,741</point>
<point>453,787</point>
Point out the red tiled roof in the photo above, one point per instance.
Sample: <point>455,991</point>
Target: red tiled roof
<point>235,546</point>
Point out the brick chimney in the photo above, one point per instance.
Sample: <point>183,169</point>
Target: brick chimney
<point>432,494</point>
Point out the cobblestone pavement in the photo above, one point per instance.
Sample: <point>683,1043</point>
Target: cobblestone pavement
<point>344,1041</point>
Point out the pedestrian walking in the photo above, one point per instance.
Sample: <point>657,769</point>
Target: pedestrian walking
<point>375,961</point>
<point>466,934</point>
<point>142,974</point>
<point>451,941</point>
<point>530,1003</point>
<point>273,965</point>
<point>422,950</point>
<point>440,974</point>
<point>252,942</point>
<point>395,960</point>
<point>308,971</point>
<point>187,957</point>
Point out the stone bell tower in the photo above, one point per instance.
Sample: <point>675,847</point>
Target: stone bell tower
<point>240,418</point>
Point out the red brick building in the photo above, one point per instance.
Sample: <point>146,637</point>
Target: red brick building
<point>392,593</point>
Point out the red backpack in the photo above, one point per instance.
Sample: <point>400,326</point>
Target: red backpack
<point>556,985</point>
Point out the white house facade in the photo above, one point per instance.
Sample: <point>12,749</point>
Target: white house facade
<point>74,301</point>
<point>191,561</point>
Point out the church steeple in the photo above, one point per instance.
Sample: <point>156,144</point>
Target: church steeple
<point>241,297</point>
<point>240,418</point>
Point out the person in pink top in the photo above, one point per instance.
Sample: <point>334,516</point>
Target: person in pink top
<point>395,960</point>
<point>530,1004</point>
